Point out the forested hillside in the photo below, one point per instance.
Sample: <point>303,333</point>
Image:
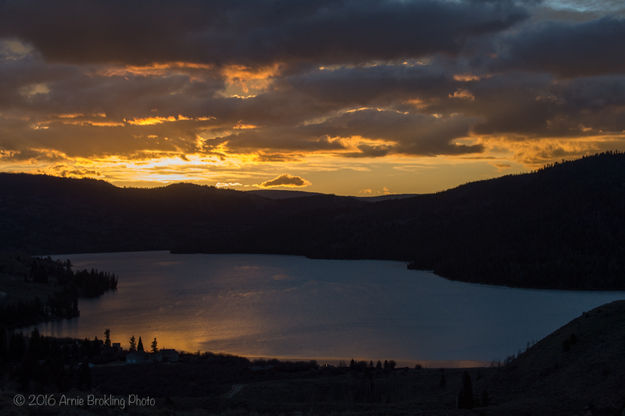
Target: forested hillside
<point>560,227</point>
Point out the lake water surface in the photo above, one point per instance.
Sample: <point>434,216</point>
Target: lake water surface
<point>294,307</point>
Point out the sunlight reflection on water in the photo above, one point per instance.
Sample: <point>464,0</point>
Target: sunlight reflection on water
<point>294,307</point>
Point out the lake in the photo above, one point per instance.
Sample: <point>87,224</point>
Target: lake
<point>294,307</point>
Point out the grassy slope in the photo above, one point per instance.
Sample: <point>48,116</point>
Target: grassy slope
<point>581,365</point>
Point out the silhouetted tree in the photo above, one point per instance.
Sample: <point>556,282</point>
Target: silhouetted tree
<point>154,346</point>
<point>140,346</point>
<point>133,344</point>
<point>107,338</point>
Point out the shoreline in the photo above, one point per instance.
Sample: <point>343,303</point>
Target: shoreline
<point>406,262</point>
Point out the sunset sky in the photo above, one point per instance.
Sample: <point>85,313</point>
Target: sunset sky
<point>357,97</point>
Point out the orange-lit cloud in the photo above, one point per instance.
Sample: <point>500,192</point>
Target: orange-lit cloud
<point>228,184</point>
<point>157,70</point>
<point>463,94</point>
<point>467,77</point>
<point>245,82</point>
<point>285,180</point>
<point>534,153</point>
<point>94,123</point>
<point>150,121</point>
<point>241,126</point>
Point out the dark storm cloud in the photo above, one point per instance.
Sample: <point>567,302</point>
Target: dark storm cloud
<point>381,84</point>
<point>567,49</point>
<point>418,134</point>
<point>282,138</point>
<point>302,112</point>
<point>522,105</point>
<point>250,32</point>
<point>73,88</point>
<point>78,111</point>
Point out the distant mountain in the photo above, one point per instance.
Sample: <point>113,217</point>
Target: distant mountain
<point>384,197</point>
<point>560,227</point>
<point>283,194</point>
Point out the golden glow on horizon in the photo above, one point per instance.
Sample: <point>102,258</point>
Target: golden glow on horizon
<point>326,171</point>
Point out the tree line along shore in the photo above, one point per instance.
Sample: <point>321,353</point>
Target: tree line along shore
<point>39,289</point>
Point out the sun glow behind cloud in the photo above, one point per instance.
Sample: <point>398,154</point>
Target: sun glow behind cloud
<point>328,171</point>
<point>245,172</point>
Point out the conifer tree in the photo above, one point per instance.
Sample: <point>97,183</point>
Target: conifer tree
<point>107,337</point>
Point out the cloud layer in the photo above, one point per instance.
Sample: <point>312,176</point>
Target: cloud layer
<point>228,91</point>
<point>250,32</point>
